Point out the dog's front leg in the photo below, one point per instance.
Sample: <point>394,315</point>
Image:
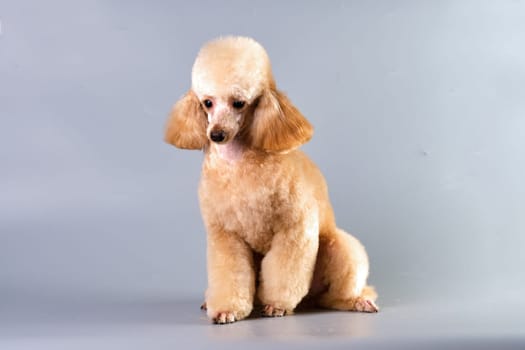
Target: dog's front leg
<point>287,269</point>
<point>231,277</point>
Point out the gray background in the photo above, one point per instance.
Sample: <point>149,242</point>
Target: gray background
<point>419,111</point>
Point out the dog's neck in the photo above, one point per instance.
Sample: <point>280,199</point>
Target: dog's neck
<point>230,152</point>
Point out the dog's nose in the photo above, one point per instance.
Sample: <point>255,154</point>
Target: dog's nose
<point>217,135</point>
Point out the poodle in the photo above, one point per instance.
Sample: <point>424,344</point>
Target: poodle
<point>271,232</point>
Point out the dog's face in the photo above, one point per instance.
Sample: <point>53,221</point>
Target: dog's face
<point>225,115</point>
<point>233,94</point>
<point>228,76</point>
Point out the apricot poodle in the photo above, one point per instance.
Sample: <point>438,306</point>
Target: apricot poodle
<point>271,232</point>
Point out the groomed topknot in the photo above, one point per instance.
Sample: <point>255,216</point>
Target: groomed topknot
<point>238,64</point>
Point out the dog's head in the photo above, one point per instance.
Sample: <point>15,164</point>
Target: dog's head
<point>233,95</point>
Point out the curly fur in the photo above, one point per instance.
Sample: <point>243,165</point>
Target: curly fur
<point>259,195</point>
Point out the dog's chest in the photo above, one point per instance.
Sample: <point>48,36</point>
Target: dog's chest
<point>243,203</point>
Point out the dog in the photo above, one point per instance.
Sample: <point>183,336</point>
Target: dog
<point>271,232</point>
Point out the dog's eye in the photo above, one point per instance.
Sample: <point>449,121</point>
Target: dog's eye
<point>238,104</point>
<point>208,103</point>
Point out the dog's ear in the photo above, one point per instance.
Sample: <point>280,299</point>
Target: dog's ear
<point>186,127</point>
<point>277,124</point>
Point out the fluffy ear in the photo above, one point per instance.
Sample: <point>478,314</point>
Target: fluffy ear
<point>277,124</point>
<point>186,127</point>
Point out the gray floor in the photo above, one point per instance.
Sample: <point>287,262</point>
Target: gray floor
<point>453,323</point>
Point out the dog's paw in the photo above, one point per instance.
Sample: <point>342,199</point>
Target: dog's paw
<point>365,305</point>
<point>224,318</point>
<point>271,311</point>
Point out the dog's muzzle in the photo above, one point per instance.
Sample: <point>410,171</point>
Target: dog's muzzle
<point>217,135</point>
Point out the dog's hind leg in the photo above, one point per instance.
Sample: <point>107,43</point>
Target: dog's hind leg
<point>343,265</point>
